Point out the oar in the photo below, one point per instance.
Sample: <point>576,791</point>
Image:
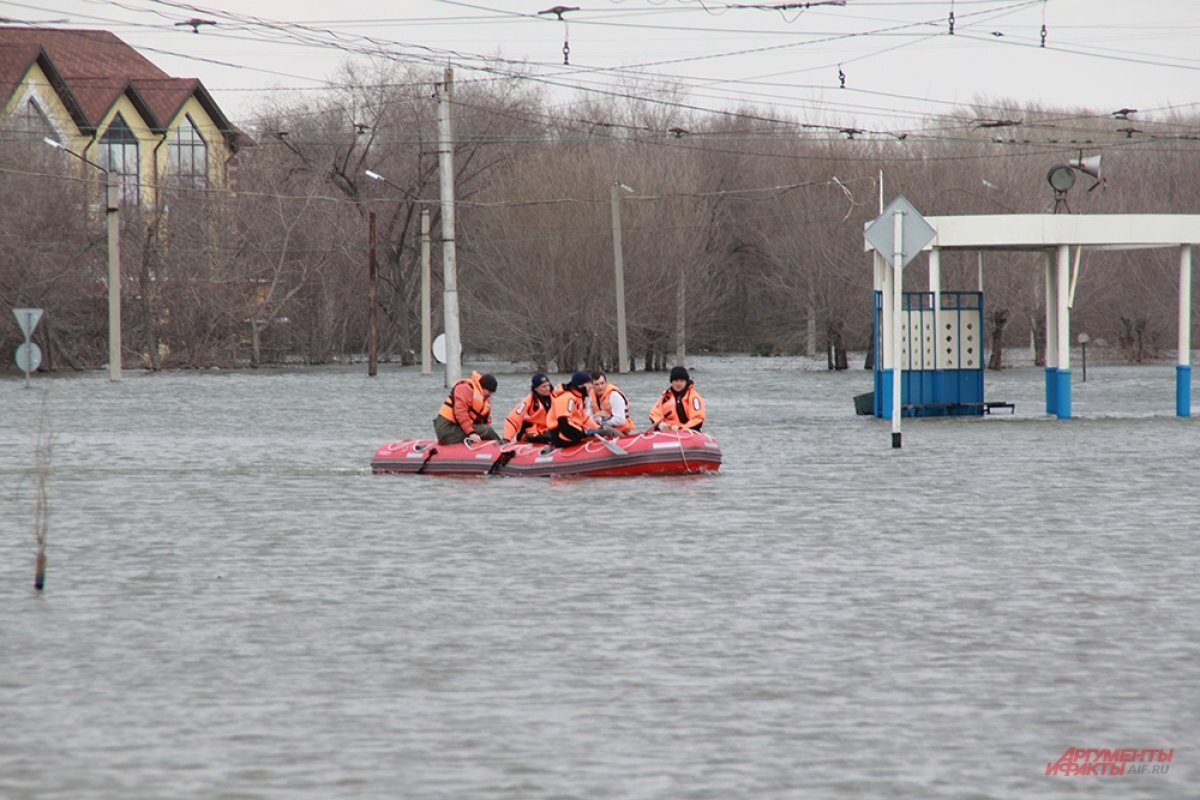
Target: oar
<point>613,447</point>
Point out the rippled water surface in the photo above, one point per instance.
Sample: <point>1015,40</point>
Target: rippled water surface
<point>236,608</point>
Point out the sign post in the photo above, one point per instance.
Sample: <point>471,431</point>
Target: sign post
<point>29,355</point>
<point>898,234</point>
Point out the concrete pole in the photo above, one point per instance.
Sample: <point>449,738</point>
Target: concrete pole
<point>619,270</point>
<point>680,315</point>
<point>372,277</point>
<point>426,325</point>
<point>113,203</point>
<point>445,97</point>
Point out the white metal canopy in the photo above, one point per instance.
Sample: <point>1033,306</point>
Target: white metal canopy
<point>1055,235</point>
<point>1042,231</point>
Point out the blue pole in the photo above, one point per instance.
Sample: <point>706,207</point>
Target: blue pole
<point>1051,390</point>
<point>1183,390</point>
<point>1064,394</point>
<point>883,398</point>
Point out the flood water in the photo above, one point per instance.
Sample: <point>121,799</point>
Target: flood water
<point>236,608</point>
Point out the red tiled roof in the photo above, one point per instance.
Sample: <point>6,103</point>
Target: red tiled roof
<point>92,69</point>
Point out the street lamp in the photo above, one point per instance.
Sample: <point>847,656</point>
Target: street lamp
<point>619,269</point>
<point>426,346</point>
<point>1083,341</point>
<point>113,207</point>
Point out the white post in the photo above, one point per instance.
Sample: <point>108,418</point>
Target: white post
<point>935,277</point>
<point>1064,309</point>
<point>884,285</point>
<point>1184,347</point>
<point>1051,343</point>
<point>1062,393</point>
<point>1183,367</point>
<point>897,317</point>
<point>619,271</point>
<point>113,202</point>
<point>445,96</point>
<point>426,325</point>
<point>935,289</point>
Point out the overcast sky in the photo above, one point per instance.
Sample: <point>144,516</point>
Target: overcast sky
<point>897,57</point>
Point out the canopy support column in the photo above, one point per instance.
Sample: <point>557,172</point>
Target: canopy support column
<point>1049,347</point>
<point>883,392</point>
<point>1183,368</point>
<point>1063,398</point>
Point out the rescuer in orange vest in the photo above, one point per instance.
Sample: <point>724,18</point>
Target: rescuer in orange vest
<point>610,406</point>
<point>681,406</point>
<point>568,421</point>
<point>466,414</point>
<point>527,421</point>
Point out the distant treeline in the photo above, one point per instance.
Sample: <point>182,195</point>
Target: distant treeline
<point>743,231</point>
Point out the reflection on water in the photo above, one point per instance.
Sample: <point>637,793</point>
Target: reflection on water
<point>236,607</point>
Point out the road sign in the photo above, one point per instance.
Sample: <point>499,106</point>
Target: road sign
<point>28,319</point>
<point>29,357</point>
<point>915,232</point>
<point>439,348</point>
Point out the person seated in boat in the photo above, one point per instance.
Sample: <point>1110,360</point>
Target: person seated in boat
<point>610,407</point>
<point>680,406</point>
<point>569,422</point>
<point>527,421</point>
<point>466,414</point>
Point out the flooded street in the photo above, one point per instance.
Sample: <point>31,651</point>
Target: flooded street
<point>235,607</point>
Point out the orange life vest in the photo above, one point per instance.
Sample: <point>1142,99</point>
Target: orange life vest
<point>528,417</point>
<point>666,409</point>
<point>604,406</point>
<point>573,406</point>
<point>480,409</point>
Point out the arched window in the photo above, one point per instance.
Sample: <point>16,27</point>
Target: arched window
<point>187,155</point>
<point>31,122</point>
<point>119,153</point>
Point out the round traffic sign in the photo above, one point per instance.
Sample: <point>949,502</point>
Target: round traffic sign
<point>29,356</point>
<point>439,348</point>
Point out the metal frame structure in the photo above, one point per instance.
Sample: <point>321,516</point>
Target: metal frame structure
<point>1055,235</point>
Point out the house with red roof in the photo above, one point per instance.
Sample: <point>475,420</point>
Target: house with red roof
<point>99,98</point>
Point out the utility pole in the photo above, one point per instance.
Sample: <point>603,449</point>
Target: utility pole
<point>445,96</point>
<point>426,329</point>
<point>113,213</point>
<point>619,269</point>
<point>114,275</point>
<point>372,275</point>
<point>680,315</point>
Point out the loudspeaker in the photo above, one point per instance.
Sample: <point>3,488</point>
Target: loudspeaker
<point>1088,166</point>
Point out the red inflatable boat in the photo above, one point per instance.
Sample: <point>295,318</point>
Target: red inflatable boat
<point>649,453</point>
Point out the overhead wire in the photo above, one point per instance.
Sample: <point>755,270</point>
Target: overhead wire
<point>382,48</point>
<point>206,10</point>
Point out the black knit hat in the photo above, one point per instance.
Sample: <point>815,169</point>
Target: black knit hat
<point>580,378</point>
<point>488,382</point>
<point>680,374</point>
<point>538,379</point>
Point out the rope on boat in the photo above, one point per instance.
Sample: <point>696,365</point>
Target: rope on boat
<point>683,455</point>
